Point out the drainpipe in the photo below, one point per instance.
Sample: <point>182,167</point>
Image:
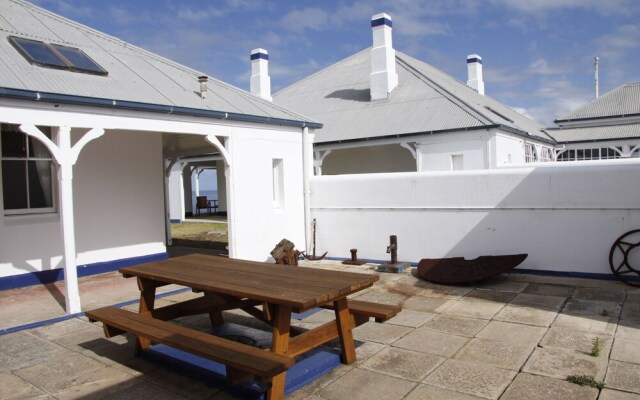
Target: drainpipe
<point>307,173</point>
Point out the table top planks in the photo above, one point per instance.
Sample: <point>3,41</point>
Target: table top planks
<point>302,288</point>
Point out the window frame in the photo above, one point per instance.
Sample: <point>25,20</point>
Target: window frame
<point>530,158</point>
<point>54,189</point>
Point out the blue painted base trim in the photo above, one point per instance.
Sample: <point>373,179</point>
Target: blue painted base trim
<point>42,277</point>
<point>175,221</point>
<point>307,368</point>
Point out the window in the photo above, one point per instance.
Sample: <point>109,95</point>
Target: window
<point>546,155</point>
<point>278,183</point>
<point>56,56</point>
<point>529,153</point>
<point>27,172</point>
<point>457,162</point>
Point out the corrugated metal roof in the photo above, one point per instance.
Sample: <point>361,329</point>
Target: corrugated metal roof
<point>135,75</point>
<point>425,100</point>
<point>595,133</point>
<point>622,101</point>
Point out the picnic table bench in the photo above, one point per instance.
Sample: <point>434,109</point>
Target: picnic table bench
<point>266,291</point>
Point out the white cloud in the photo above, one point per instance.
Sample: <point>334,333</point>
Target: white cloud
<point>605,7</point>
<point>308,18</point>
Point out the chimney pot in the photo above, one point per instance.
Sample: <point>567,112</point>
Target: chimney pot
<point>383,78</point>
<point>260,80</point>
<point>474,70</point>
<point>203,85</point>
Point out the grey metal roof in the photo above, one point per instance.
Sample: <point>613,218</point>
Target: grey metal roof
<point>135,75</point>
<point>426,100</point>
<point>595,133</point>
<point>622,101</point>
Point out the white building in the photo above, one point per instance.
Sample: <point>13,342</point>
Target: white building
<point>606,128</point>
<point>384,111</point>
<point>90,128</point>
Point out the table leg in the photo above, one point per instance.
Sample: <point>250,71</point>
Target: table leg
<point>345,327</point>
<point>215,316</point>
<point>147,302</point>
<point>281,323</point>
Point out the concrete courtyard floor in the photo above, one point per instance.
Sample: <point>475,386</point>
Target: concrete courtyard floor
<point>517,336</point>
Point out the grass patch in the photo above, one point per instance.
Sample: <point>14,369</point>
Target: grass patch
<point>597,347</point>
<point>586,380</point>
<point>200,234</point>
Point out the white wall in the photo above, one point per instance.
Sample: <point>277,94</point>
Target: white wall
<point>176,193</point>
<point>369,159</point>
<point>256,225</point>
<point>566,217</point>
<point>508,150</point>
<point>119,208</point>
<point>435,153</point>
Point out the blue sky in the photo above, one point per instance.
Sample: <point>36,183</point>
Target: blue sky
<point>537,54</point>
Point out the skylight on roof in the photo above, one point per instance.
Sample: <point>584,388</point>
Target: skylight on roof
<point>56,56</point>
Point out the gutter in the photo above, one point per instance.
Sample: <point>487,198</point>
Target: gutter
<point>558,121</point>
<point>452,130</point>
<point>149,107</point>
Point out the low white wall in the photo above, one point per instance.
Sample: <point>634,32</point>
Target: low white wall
<point>566,217</point>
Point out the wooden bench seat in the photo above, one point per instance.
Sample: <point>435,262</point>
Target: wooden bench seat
<point>258,362</point>
<point>381,312</point>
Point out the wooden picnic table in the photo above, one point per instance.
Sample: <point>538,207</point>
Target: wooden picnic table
<point>232,284</point>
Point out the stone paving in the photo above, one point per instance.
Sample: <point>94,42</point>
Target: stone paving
<point>517,336</point>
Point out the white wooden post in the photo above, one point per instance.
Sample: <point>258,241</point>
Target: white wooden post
<point>307,171</point>
<point>66,157</point>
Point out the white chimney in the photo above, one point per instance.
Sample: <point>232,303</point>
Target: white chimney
<point>474,69</point>
<point>383,58</point>
<point>260,80</point>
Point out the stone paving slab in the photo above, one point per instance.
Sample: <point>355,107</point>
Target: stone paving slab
<point>514,334</point>
<point>144,390</point>
<point>538,301</point>
<point>526,315</point>
<point>359,384</point>
<point>474,309</point>
<point>592,307</point>
<point>471,378</point>
<point>489,295</point>
<point>561,364</point>
<point>503,283</point>
<point>578,341</point>
<point>427,341</point>
<point>23,349</point>
<point>384,297</point>
<point>428,392</point>
<point>526,387</point>
<point>460,326</point>
<point>427,304</point>
<point>403,363</point>
<point>616,296</point>
<point>629,328</point>
<point>549,289</point>
<point>429,289</point>
<point>592,323</point>
<point>630,310</point>
<point>624,376</point>
<point>14,387</point>
<point>411,318</point>
<point>380,333</point>
<point>497,354</point>
<point>610,394</point>
<point>626,350</point>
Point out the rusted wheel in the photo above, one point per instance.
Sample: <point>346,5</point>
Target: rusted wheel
<point>624,258</point>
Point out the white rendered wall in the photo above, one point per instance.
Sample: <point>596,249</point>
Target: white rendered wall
<point>221,182</point>
<point>369,159</point>
<point>257,226</point>
<point>508,150</point>
<point>118,204</point>
<point>176,193</point>
<point>436,152</point>
<point>566,217</point>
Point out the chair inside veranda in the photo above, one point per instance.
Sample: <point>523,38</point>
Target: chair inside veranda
<point>202,203</point>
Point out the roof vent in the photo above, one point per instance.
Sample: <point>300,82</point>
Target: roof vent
<point>203,85</point>
<point>260,80</point>
<point>383,58</point>
<point>474,69</point>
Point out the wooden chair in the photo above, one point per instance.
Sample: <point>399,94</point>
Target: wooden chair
<point>202,203</point>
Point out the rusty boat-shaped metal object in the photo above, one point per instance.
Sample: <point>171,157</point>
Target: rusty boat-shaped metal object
<point>458,270</point>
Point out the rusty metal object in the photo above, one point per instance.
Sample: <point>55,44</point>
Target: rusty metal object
<point>313,257</point>
<point>457,270</point>
<point>624,262</point>
<point>285,253</point>
<point>393,265</point>
<point>354,258</point>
